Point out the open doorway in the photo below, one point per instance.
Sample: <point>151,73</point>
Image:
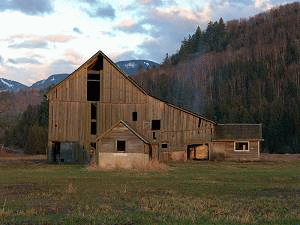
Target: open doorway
<point>55,152</point>
<point>198,152</point>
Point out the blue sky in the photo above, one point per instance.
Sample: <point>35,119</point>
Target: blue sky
<point>39,38</point>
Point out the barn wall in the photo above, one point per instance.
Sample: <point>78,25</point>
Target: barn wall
<point>227,148</point>
<point>70,112</point>
<point>108,143</point>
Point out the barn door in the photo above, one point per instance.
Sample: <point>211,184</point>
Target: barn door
<point>55,151</point>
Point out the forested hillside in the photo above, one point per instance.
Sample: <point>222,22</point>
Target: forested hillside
<point>241,71</point>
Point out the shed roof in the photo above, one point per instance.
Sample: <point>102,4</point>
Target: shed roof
<point>238,132</point>
<point>141,137</point>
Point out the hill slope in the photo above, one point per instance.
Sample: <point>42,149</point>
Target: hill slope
<point>245,71</point>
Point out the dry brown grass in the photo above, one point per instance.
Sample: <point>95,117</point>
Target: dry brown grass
<point>152,165</point>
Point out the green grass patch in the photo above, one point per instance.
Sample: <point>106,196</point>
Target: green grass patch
<point>187,193</point>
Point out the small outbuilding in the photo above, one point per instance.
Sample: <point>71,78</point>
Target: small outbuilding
<point>123,147</point>
<point>240,142</point>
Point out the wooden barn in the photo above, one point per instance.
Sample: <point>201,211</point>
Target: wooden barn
<point>100,113</point>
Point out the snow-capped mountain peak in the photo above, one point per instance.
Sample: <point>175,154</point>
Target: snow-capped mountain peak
<point>132,66</point>
<point>9,85</point>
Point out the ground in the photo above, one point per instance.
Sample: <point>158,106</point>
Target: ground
<point>196,192</point>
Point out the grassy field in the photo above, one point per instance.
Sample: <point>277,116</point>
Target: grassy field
<point>33,192</point>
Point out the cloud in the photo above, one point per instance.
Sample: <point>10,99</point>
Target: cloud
<point>1,60</point>
<point>61,38</point>
<point>60,66</point>
<point>20,41</point>
<point>127,55</point>
<point>130,26</point>
<point>24,60</point>
<point>91,2</point>
<point>77,30</point>
<point>104,12</point>
<point>29,7</point>
<point>30,44</point>
<point>150,2</point>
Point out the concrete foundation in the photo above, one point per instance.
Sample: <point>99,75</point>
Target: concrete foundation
<point>122,160</point>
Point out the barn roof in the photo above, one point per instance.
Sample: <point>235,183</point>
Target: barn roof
<point>94,57</point>
<point>232,132</point>
<point>144,139</point>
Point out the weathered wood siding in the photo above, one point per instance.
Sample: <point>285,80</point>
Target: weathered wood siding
<point>227,147</point>
<point>70,111</point>
<point>108,143</point>
<point>119,98</point>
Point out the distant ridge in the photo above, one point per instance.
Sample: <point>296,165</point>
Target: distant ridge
<point>9,85</point>
<point>130,67</point>
<point>52,80</point>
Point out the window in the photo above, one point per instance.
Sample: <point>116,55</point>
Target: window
<point>154,135</point>
<point>134,116</point>
<point>93,111</point>
<point>121,146</point>
<point>155,124</point>
<point>93,90</point>
<point>164,145</point>
<point>241,146</point>
<point>93,146</point>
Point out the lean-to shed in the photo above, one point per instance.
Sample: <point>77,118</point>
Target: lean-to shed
<point>237,141</point>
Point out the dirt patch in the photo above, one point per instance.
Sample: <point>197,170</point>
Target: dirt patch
<point>267,157</point>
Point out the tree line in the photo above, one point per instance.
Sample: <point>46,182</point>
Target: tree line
<point>245,71</point>
<point>31,130</point>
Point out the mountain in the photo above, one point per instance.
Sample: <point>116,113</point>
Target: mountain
<point>132,66</point>
<point>52,80</point>
<point>9,85</point>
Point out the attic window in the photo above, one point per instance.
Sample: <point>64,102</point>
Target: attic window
<point>134,116</point>
<point>97,65</point>
<point>155,124</point>
<point>121,146</point>
<point>241,146</point>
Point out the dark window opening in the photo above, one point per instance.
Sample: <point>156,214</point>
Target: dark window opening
<point>155,124</point>
<point>154,136</point>
<point>98,65</point>
<point>134,116</point>
<point>241,146</point>
<point>93,111</point>
<point>199,122</point>
<point>55,151</point>
<point>93,128</point>
<point>164,145</point>
<point>93,90</point>
<point>94,77</point>
<point>93,146</point>
<point>121,146</point>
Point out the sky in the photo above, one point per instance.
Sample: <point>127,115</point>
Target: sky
<point>39,38</point>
